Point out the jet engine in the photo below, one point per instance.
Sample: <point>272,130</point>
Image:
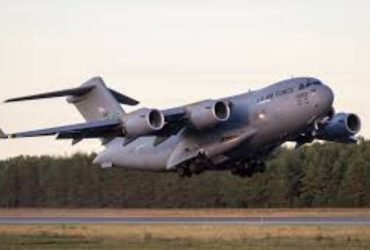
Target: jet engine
<point>208,114</point>
<point>143,122</point>
<point>341,128</point>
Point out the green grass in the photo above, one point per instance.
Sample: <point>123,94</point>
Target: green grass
<point>147,241</point>
<point>45,241</point>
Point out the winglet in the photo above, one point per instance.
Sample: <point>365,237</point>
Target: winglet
<point>3,135</point>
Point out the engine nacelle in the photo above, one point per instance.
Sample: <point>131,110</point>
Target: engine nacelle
<point>143,122</point>
<point>208,114</point>
<point>340,128</point>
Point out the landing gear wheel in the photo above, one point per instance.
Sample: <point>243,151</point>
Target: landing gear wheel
<point>184,171</point>
<point>181,172</point>
<point>261,167</point>
<point>235,171</point>
<point>195,168</point>
<point>188,173</point>
<point>249,172</point>
<point>244,170</point>
<point>242,174</point>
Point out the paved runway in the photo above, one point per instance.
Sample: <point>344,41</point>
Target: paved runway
<point>190,220</point>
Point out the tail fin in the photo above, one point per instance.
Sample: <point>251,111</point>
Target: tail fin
<point>101,102</point>
<point>94,100</point>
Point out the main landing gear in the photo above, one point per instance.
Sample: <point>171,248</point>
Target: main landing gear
<point>248,169</point>
<point>184,172</point>
<point>187,170</point>
<point>195,167</point>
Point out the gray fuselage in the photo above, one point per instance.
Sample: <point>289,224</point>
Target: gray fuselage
<point>271,116</point>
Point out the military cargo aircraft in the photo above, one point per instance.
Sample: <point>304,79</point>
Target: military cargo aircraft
<point>235,133</point>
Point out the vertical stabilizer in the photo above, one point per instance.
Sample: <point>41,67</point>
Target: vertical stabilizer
<point>93,99</point>
<point>99,103</point>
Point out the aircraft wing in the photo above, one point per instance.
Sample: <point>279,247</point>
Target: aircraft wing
<point>98,129</point>
<point>93,129</point>
<point>175,120</point>
<point>175,114</point>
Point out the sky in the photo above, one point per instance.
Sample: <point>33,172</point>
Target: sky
<point>168,53</point>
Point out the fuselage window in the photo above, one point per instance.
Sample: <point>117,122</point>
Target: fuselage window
<point>284,92</point>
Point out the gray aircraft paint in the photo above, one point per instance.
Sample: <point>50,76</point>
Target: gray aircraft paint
<point>97,104</point>
<point>256,122</point>
<point>269,120</point>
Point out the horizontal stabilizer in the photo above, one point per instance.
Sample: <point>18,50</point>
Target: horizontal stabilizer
<point>67,92</point>
<point>123,99</point>
<point>77,92</point>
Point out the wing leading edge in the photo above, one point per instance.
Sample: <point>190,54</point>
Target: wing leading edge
<point>175,118</point>
<point>175,121</point>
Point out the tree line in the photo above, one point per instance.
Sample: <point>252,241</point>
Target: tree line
<point>319,175</point>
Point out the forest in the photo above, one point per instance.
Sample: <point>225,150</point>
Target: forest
<point>317,175</point>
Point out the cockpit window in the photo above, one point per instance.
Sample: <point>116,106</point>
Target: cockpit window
<point>314,81</point>
<point>310,82</point>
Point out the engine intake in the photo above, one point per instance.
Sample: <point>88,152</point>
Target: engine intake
<point>353,123</point>
<point>341,127</point>
<point>208,114</point>
<point>143,122</point>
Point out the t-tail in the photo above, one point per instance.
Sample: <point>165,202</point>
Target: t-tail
<point>93,99</point>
